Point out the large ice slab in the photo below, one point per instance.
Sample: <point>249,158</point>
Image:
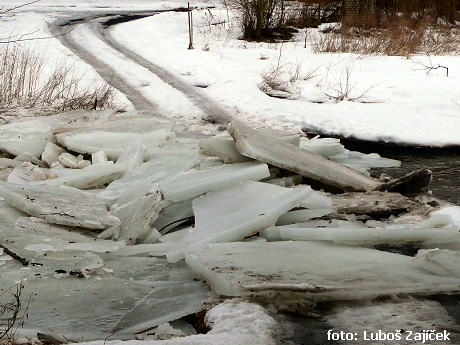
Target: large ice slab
<point>115,135</point>
<point>237,212</point>
<point>366,236</point>
<point>154,170</point>
<point>57,205</point>
<point>28,137</point>
<point>260,146</point>
<point>223,146</point>
<point>321,271</point>
<point>89,177</point>
<point>129,294</point>
<point>137,209</point>
<point>332,149</point>
<point>190,184</point>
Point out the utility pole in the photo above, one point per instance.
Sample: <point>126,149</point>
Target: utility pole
<point>190,26</point>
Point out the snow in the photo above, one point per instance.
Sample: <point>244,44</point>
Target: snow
<point>408,314</point>
<point>235,321</point>
<point>129,288</point>
<point>404,105</point>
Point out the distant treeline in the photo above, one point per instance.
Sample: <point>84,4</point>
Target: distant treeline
<point>416,9</point>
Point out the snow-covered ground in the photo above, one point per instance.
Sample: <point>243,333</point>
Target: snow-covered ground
<point>389,99</point>
<point>400,103</point>
<point>386,99</point>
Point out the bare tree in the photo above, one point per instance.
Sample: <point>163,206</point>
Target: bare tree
<point>258,17</point>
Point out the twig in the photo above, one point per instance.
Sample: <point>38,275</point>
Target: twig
<point>15,256</point>
<point>16,7</point>
<point>429,68</point>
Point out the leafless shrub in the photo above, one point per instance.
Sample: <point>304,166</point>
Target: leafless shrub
<point>343,87</point>
<point>13,313</point>
<point>24,84</point>
<point>428,67</point>
<point>400,37</point>
<point>258,18</point>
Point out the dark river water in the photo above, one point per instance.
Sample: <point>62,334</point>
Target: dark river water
<point>445,165</point>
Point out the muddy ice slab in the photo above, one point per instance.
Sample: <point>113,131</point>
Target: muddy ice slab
<point>321,271</point>
<point>366,236</point>
<point>59,205</point>
<point>237,212</point>
<point>193,183</point>
<point>260,146</point>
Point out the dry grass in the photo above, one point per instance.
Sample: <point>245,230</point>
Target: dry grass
<point>13,312</point>
<point>400,37</point>
<point>25,84</point>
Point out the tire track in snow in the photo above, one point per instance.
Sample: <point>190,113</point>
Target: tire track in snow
<point>62,30</point>
<point>214,113</point>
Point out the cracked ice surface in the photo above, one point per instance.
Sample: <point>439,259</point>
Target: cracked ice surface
<point>237,212</point>
<point>321,271</point>
<point>57,205</point>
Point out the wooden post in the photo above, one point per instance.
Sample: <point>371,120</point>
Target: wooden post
<point>190,27</point>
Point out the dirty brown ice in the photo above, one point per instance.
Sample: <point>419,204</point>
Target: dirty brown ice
<point>147,230</point>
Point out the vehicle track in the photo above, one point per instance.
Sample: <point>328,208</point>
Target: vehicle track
<point>100,24</point>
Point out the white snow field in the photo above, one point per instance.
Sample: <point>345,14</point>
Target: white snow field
<point>129,222</point>
<point>390,99</point>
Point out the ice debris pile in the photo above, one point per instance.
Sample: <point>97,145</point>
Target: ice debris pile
<point>119,223</point>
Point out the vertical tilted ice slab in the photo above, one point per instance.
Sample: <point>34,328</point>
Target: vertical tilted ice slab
<point>59,205</point>
<point>137,209</point>
<point>190,184</point>
<point>223,146</point>
<point>237,212</point>
<point>51,153</point>
<point>320,270</point>
<point>27,137</point>
<point>173,215</point>
<point>265,148</point>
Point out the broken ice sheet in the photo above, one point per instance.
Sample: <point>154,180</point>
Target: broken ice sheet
<point>237,212</point>
<point>51,153</point>
<point>115,135</point>
<point>28,172</point>
<point>156,169</point>
<point>193,183</point>
<point>365,236</point>
<point>27,137</point>
<point>321,271</point>
<point>260,146</point>
<point>92,308</point>
<point>332,149</point>
<point>223,146</point>
<point>137,209</point>
<point>89,177</point>
<point>59,205</point>
<point>439,261</point>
